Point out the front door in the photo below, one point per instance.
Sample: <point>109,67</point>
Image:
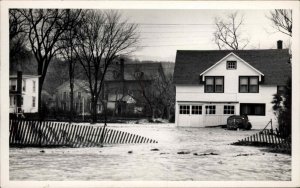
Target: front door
<point>184,115</point>
<point>196,116</point>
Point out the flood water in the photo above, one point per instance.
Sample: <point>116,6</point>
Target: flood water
<point>115,162</point>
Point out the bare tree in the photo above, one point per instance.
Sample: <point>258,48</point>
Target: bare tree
<point>17,27</point>
<point>156,93</point>
<point>66,45</point>
<point>282,20</point>
<point>228,33</point>
<point>102,38</point>
<point>44,28</point>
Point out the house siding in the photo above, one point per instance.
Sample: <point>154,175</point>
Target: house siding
<point>27,95</point>
<point>196,95</point>
<point>82,101</point>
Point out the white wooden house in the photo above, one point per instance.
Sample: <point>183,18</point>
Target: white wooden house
<point>30,84</point>
<point>81,94</point>
<point>215,84</point>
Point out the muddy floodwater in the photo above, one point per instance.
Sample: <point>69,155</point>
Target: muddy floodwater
<point>159,161</point>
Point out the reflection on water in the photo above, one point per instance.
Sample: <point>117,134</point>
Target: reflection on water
<point>114,162</point>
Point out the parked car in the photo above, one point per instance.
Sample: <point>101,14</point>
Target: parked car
<point>238,122</point>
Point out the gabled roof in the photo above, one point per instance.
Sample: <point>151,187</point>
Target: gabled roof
<point>28,66</point>
<point>231,53</point>
<point>150,71</point>
<point>80,83</point>
<point>272,63</point>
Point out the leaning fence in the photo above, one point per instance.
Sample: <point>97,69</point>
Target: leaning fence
<point>269,138</point>
<point>57,134</point>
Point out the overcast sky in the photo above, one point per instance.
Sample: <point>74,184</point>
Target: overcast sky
<point>162,32</point>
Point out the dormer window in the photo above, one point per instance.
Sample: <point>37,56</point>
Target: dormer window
<point>230,65</point>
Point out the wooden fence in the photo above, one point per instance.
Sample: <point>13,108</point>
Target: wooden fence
<point>58,134</point>
<point>267,137</point>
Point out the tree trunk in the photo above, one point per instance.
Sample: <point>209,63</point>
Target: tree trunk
<point>153,113</point>
<point>94,110</point>
<point>71,101</point>
<point>40,109</point>
<point>168,112</point>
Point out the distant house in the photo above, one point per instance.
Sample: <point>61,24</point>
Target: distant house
<point>212,85</point>
<point>125,84</point>
<point>29,94</point>
<point>122,91</point>
<point>82,98</point>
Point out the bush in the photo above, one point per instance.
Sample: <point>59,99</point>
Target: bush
<point>282,108</point>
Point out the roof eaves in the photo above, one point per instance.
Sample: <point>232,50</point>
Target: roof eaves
<point>231,53</point>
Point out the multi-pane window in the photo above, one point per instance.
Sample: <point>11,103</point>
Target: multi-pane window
<point>184,109</point>
<point>228,109</point>
<point>214,84</point>
<point>196,109</point>
<point>248,84</point>
<point>209,85</point>
<point>280,90</point>
<point>33,101</point>
<point>210,109</point>
<point>231,64</point>
<point>33,86</point>
<point>258,109</point>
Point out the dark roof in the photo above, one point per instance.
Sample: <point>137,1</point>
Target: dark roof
<point>150,71</point>
<point>28,66</point>
<point>272,63</point>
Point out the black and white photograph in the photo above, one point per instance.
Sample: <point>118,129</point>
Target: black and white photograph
<point>173,92</point>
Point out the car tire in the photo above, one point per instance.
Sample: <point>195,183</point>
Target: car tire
<point>249,126</point>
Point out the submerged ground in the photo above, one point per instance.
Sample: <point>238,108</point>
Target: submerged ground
<point>140,162</point>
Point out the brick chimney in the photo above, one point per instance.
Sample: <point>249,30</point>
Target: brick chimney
<point>279,44</point>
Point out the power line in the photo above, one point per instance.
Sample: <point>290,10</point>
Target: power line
<point>170,32</point>
<point>183,24</point>
<point>181,32</point>
<point>190,44</point>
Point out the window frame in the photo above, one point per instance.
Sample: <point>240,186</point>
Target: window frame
<point>230,68</point>
<point>252,108</point>
<point>214,84</point>
<point>197,110</point>
<point>214,110</point>
<point>33,86</point>
<point>33,101</point>
<point>248,83</point>
<point>23,85</point>
<point>279,91</point>
<point>228,110</point>
<point>187,110</point>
